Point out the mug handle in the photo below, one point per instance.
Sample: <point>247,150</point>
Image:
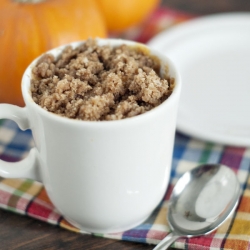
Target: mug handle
<point>29,166</point>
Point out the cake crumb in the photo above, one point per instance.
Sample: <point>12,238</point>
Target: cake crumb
<point>97,83</point>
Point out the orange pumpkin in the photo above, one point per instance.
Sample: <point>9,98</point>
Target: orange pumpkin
<point>31,27</point>
<point>122,14</point>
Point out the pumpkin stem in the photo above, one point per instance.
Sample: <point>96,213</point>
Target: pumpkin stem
<point>28,1</point>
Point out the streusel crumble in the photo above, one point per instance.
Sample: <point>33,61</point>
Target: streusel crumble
<point>97,83</point>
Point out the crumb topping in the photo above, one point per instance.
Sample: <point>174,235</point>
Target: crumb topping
<point>97,83</point>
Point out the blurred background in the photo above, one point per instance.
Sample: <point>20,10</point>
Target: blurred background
<point>203,7</point>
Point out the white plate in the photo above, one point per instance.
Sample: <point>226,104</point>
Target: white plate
<point>213,56</point>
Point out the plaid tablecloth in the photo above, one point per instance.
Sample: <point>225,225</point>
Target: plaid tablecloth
<point>29,198</point>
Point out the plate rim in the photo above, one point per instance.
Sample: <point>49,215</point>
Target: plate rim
<point>171,34</point>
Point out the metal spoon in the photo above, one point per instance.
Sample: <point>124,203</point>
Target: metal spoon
<point>200,202</point>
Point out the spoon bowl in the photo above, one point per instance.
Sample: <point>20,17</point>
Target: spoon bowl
<point>201,201</point>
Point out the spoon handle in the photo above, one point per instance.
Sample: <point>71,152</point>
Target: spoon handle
<point>167,241</point>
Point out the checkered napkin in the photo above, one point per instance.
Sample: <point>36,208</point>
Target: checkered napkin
<point>28,197</point>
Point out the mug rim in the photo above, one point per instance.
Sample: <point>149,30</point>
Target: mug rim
<point>25,85</point>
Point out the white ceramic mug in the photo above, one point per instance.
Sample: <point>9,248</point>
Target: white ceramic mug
<point>104,176</point>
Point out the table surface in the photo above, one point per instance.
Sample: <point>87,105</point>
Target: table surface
<point>22,232</point>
